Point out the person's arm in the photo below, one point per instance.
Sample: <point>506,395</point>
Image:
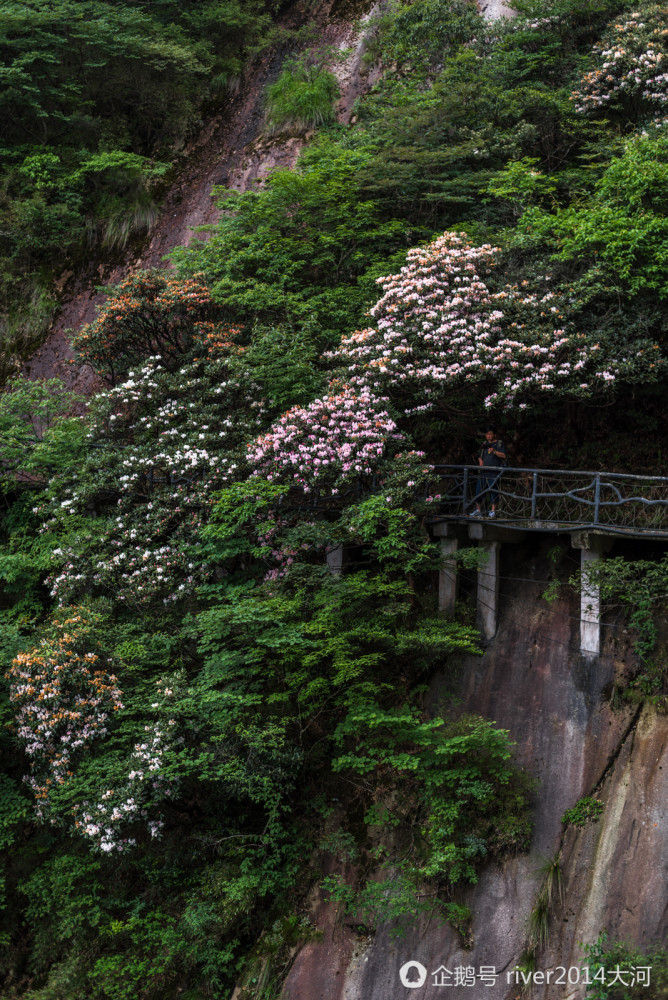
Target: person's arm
<point>501,454</point>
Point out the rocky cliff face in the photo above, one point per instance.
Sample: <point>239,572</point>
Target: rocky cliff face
<point>231,152</point>
<point>533,681</point>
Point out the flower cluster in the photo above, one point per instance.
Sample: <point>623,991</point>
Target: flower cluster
<point>340,437</point>
<point>64,699</point>
<point>631,63</point>
<point>135,798</point>
<point>162,442</point>
<point>428,323</point>
<point>150,312</point>
<point>440,328</point>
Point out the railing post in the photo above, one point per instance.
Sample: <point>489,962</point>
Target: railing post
<point>597,497</point>
<point>465,490</point>
<point>534,490</point>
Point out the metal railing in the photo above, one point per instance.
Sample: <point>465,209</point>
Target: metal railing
<point>545,499</point>
<point>550,498</point>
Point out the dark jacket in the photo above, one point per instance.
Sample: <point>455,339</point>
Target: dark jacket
<point>490,459</point>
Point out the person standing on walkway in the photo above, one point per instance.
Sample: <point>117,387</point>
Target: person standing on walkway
<point>492,459</point>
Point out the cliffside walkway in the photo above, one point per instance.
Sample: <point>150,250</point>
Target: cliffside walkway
<point>557,500</point>
<point>594,508</point>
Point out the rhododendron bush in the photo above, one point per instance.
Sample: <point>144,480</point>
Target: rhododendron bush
<point>67,700</point>
<point>447,329</point>
<point>149,313</point>
<point>631,66</point>
<point>64,695</point>
<point>446,325</point>
<point>340,437</point>
<point>219,613</point>
<point>161,443</point>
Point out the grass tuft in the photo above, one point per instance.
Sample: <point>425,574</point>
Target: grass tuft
<point>552,872</point>
<point>303,96</point>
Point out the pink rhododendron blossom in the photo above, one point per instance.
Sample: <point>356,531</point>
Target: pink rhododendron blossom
<point>440,327</point>
<point>339,437</point>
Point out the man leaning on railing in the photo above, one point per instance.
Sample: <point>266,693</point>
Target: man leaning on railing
<point>492,459</point>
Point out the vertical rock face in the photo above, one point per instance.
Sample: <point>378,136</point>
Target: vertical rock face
<point>533,681</point>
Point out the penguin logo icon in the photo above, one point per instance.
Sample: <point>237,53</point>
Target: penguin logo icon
<point>412,983</point>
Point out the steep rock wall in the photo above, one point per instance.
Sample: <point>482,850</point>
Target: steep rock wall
<point>230,151</point>
<point>533,681</point>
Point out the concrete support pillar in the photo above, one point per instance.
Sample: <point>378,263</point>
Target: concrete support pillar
<point>490,537</point>
<point>590,607</point>
<point>447,575</point>
<point>447,578</point>
<point>335,560</point>
<point>488,589</point>
<point>591,548</point>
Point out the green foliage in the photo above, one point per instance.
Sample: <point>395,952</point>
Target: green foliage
<point>538,924</point>
<point>584,811</point>
<point>117,190</point>
<point>23,321</point>
<point>460,771</point>
<point>90,93</point>
<point>623,225</point>
<point>268,704</point>
<point>521,184</point>
<point>390,531</point>
<point>614,970</point>
<point>467,129</point>
<point>393,901</point>
<point>14,808</point>
<point>421,35</point>
<point>303,96</point>
<point>640,587</point>
<point>38,436</point>
<point>551,870</point>
<point>439,133</point>
<point>550,893</point>
<point>303,253</point>
<point>150,314</point>
<point>264,690</point>
<point>285,365</point>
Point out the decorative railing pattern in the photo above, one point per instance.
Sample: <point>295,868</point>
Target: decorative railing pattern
<point>550,498</point>
<point>547,499</point>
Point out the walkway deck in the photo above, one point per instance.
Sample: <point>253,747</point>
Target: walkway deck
<point>555,500</point>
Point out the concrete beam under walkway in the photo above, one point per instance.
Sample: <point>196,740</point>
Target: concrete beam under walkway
<point>335,558</point>
<point>488,589</point>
